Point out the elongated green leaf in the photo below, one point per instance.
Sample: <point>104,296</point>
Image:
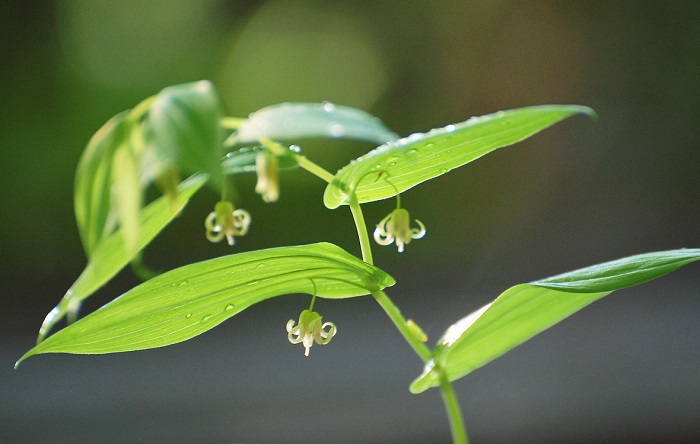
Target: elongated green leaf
<point>182,127</point>
<point>291,121</point>
<point>190,300</point>
<point>128,195</point>
<point>92,200</point>
<point>397,166</point>
<point>111,254</point>
<point>243,161</point>
<point>527,309</point>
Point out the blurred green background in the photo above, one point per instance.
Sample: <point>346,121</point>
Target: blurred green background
<point>580,193</point>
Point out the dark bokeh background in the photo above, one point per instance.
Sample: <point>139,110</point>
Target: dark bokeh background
<point>583,192</point>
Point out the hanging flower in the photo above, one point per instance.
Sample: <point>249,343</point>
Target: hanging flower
<point>267,168</point>
<point>225,221</point>
<point>309,329</point>
<point>396,227</point>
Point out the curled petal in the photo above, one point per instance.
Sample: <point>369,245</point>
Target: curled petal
<point>324,336</point>
<point>209,222</point>
<point>294,333</point>
<point>417,233</point>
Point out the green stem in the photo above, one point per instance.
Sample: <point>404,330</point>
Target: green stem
<point>454,413</point>
<point>408,331</point>
<point>231,123</point>
<point>402,325</point>
<point>365,244</point>
<point>279,150</point>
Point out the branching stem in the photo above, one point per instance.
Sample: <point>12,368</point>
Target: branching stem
<point>454,413</point>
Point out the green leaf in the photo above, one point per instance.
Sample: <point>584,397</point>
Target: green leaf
<point>185,302</point>
<point>182,127</point>
<point>292,121</point>
<point>527,309</point>
<point>127,195</point>
<point>93,178</point>
<point>397,166</point>
<point>243,161</point>
<point>111,254</point>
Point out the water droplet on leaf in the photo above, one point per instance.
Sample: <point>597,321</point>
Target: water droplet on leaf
<point>336,130</point>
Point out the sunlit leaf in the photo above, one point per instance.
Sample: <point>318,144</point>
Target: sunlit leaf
<point>527,309</point>
<point>93,177</point>
<point>185,302</point>
<point>397,166</point>
<point>111,254</point>
<point>127,195</point>
<point>182,127</point>
<point>292,121</point>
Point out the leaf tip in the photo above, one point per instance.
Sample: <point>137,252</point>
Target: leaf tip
<point>590,112</point>
<point>23,358</point>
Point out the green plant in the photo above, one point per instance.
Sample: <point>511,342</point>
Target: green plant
<point>183,130</point>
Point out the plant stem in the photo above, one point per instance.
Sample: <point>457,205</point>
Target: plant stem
<point>402,325</point>
<point>303,162</point>
<point>313,168</point>
<point>231,122</point>
<point>454,413</point>
<point>365,245</point>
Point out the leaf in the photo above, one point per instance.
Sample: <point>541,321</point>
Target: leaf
<point>397,166</point>
<point>291,121</point>
<point>92,200</point>
<point>127,195</point>
<point>243,161</point>
<point>111,254</point>
<point>527,309</point>
<point>185,302</point>
<point>182,127</point>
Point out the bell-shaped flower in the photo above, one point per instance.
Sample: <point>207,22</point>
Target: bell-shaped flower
<point>309,329</point>
<point>226,221</point>
<point>267,168</point>
<point>396,227</point>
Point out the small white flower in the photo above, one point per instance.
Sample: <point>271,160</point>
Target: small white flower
<point>310,329</point>
<point>225,221</point>
<point>397,227</point>
<point>267,168</point>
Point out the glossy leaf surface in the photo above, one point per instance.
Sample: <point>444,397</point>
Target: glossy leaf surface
<point>185,302</point>
<point>111,255</point>
<point>292,121</point>
<point>527,309</point>
<point>397,166</point>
